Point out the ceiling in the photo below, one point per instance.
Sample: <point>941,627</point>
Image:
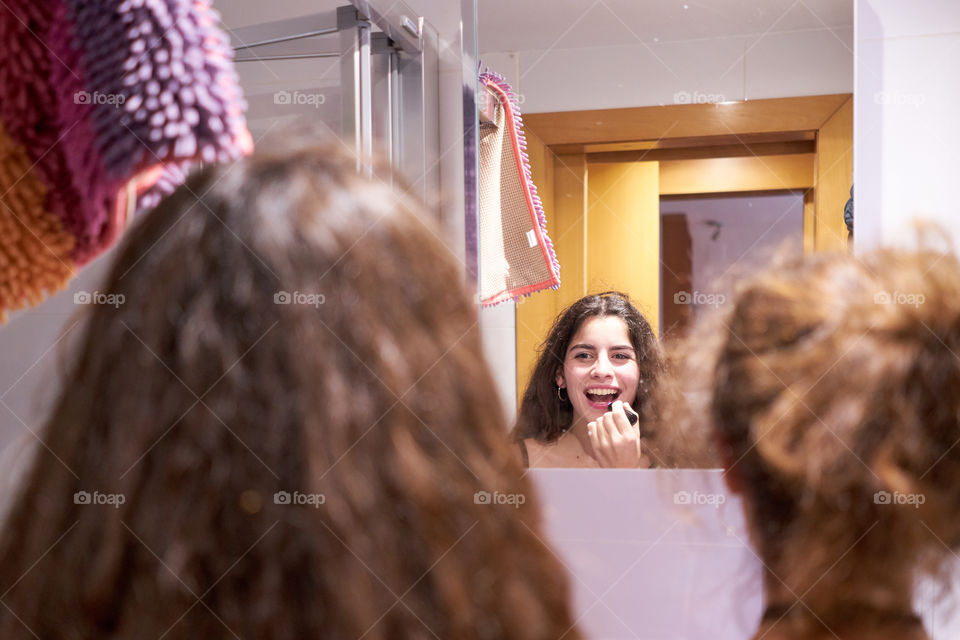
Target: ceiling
<point>517,25</point>
<point>243,13</point>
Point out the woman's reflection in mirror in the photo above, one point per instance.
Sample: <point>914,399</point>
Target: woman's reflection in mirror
<point>601,351</point>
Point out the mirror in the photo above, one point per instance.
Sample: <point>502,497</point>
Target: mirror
<point>674,145</point>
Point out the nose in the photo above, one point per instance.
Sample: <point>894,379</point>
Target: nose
<point>602,368</point>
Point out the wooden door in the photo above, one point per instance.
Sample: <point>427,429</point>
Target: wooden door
<point>623,232</point>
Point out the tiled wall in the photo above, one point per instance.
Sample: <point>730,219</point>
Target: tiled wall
<point>906,129</point>
<point>774,65</point>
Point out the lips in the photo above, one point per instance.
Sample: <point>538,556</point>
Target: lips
<point>600,397</point>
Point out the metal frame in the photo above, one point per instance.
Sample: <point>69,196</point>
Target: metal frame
<point>470,68</point>
<point>418,95</point>
<point>396,19</point>
<point>386,119</point>
<point>244,39</point>
<point>356,84</point>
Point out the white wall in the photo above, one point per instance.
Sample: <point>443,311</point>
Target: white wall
<point>33,344</point>
<point>775,65</point>
<point>751,229</point>
<point>661,555</point>
<point>906,128</point>
<point>906,136</point>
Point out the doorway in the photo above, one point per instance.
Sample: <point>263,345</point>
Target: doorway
<point>707,241</point>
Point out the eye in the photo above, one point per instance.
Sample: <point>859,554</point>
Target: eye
<point>583,355</point>
<point>622,356</point>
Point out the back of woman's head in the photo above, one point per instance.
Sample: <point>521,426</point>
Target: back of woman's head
<point>278,431</point>
<point>835,406</point>
<point>543,414</point>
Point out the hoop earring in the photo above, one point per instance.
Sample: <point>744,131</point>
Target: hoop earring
<point>560,397</point>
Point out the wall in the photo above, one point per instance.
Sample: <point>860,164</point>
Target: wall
<point>33,344</point>
<point>777,65</point>
<point>906,136</point>
<point>646,563</point>
<point>750,229</point>
<point>906,130</point>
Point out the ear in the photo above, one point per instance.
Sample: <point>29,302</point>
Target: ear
<point>559,379</point>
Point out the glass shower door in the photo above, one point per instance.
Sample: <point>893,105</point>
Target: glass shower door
<point>366,76</point>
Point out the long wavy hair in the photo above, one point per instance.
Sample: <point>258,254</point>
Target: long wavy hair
<point>280,426</point>
<point>832,394</point>
<point>543,415</point>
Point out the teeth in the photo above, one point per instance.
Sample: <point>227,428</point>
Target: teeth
<point>602,392</point>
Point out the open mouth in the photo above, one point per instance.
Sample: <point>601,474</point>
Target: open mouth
<point>600,397</point>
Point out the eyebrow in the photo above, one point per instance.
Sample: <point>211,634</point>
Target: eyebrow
<point>583,345</point>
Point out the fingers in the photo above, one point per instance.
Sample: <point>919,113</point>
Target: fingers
<point>609,439</point>
<point>613,440</point>
<point>619,418</point>
<point>601,439</point>
<point>604,437</point>
<point>624,436</point>
<point>632,416</point>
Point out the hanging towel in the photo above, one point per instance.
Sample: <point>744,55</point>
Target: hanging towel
<point>104,106</point>
<point>516,255</point>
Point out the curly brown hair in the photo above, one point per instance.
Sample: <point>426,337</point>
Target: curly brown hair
<point>833,398</point>
<point>543,416</point>
<point>279,432</point>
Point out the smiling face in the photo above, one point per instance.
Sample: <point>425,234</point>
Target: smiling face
<point>600,366</point>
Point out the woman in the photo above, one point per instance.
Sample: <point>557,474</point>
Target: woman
<point>833,398</point>
<point>278,433</point>
<point>600,350</point>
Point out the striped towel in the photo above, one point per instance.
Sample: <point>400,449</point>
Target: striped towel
<point>104,105</point>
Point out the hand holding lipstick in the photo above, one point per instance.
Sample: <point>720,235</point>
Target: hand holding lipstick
<point>628,410</point>
<point>615,439</point>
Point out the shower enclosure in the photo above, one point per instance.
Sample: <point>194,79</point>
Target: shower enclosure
<point>381,77</point>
